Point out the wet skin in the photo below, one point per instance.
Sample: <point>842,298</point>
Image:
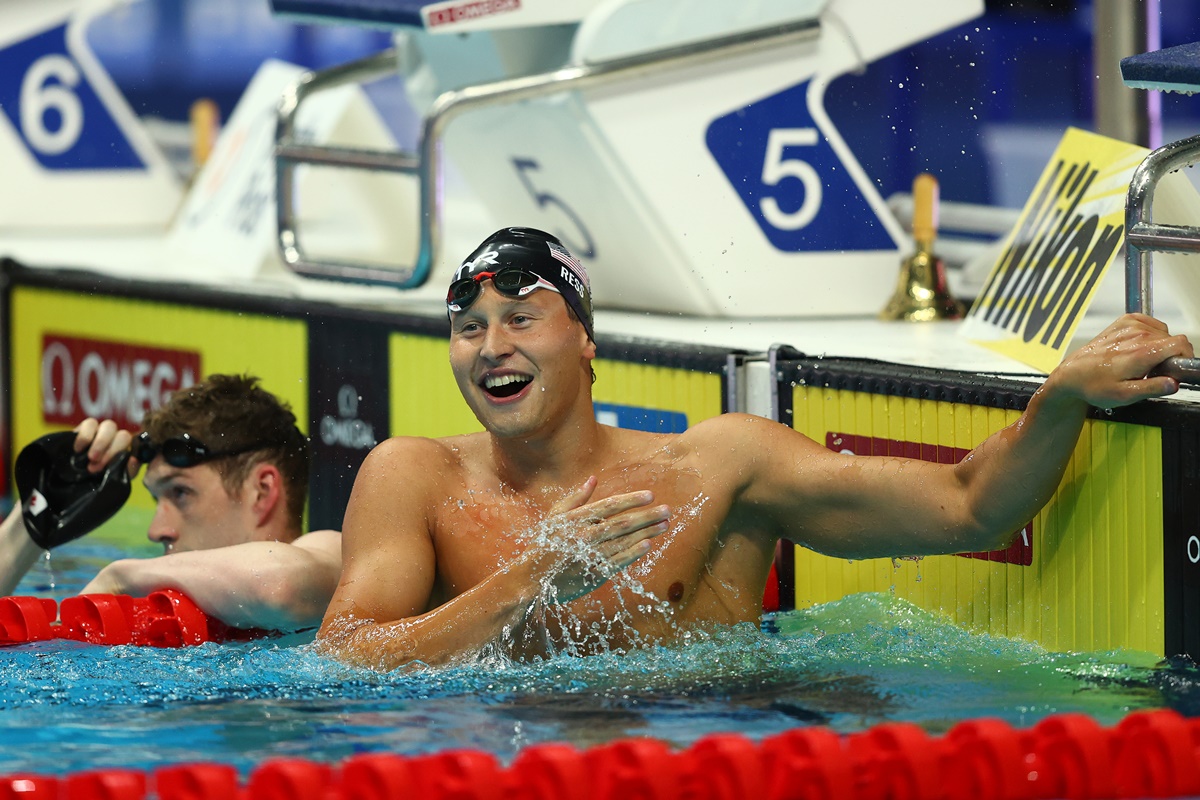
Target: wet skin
<point>710,566</point>
<point>441,555</point>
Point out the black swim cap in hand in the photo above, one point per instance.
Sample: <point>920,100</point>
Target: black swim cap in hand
<point>60,499</point>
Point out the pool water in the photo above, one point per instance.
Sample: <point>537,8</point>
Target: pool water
<point>865,660</point>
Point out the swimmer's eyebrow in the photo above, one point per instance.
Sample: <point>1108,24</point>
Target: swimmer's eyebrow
<point>170,476</point>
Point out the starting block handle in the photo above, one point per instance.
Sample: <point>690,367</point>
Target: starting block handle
<point>1184,370</point>
<point>1143,236</point>
<point>427,165</point>
<point>289,154</point>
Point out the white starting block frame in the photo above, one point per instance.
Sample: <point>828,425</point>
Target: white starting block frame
<point>692,167</point>
<point>1143,237</point>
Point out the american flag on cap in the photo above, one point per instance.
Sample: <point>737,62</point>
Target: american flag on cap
<point>560,253</point>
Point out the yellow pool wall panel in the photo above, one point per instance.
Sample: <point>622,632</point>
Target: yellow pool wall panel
<point>1096,581</point>
<point>424,397</point>
<point>425,400</point>
<point>697,395</point>
<point>275,349</point>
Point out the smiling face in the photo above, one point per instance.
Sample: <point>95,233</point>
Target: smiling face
<point>193,510</point>
<point>522,364</point>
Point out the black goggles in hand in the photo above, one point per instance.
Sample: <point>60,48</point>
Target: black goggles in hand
<point>186,450</point>
<point>510,282</point>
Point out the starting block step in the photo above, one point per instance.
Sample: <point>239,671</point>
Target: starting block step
<point>1172,69</point>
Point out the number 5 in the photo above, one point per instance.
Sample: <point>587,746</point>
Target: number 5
<point>776,168</point>
<point>584,249</point>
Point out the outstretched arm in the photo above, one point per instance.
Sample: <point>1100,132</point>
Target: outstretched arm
<point>17,551</point>
<point>380,615</point>
<point>269,585</point>
<point>862,507</point>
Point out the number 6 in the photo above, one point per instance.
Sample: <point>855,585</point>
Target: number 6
<point>37,98</point>
<point>776,168</point>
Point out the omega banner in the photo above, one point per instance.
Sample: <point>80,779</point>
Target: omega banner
<point>348,401</point>
<point>83,378</point>
<point>78,352</point>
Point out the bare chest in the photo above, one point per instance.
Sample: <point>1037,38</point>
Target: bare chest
<point>701,569</point>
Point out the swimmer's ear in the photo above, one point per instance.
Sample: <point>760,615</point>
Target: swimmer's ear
<point>576,497</point>
<point>266,486</point>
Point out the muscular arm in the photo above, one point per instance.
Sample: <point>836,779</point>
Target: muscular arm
<point>270,585</point>
<point>862,507</point>
<point>17,551</point>
<point>379,615</point>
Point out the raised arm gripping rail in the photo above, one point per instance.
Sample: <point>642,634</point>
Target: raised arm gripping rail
<point>427,165</point>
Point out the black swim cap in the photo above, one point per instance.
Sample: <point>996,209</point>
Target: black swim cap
<point>60,499</point>
<point>537,252</point>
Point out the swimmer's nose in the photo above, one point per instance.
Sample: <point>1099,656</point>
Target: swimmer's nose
<point>162,531</point>
<point>496,343</point>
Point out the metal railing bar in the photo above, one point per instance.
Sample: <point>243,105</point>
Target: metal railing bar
<point>449,105</point>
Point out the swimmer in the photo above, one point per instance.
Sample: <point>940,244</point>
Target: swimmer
<point>228,471</point>
<point>511,535</point>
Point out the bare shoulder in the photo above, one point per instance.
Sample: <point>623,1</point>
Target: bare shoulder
<point>410,466</point>
<point>322,543</point>
<point>746,448</point>
<point>415,451</point>
<point>732,428</point>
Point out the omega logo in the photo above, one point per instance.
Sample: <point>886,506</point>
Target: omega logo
<point>91,378</point>
<point>347,430</point>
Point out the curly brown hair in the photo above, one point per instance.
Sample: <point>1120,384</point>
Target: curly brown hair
<point>232,412</point>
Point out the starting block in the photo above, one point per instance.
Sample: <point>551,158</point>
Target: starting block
<point>680,149</point>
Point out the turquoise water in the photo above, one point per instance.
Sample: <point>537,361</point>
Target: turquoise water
<point>864,660</point>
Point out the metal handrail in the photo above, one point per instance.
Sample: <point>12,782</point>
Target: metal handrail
<point>428,167</point>
<point>289,155</point>
<point>1143,236</point>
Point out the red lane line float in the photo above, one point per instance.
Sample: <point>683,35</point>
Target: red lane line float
<point>1063,757</point>
<point>165,618</point>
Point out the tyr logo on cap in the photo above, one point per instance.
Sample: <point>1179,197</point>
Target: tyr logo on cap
<point>489,257</point>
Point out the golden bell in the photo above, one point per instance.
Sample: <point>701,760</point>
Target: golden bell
<point>921,292</point>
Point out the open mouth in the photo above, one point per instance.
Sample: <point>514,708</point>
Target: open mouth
<point>508,385</point>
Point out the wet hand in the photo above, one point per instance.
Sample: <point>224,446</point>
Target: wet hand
<point>582,544</point>
<point>102,441</point>
<point>1112,369</point>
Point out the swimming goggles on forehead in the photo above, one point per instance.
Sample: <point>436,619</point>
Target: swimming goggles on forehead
<point>186,450</point>
<point>510,282</point>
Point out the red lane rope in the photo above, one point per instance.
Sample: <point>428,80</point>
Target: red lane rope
<point>1064,757</point>
<point>165,618</point>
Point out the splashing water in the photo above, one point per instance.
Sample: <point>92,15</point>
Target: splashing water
<point>858,662</point>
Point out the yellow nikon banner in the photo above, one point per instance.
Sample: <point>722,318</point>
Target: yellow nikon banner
<point>1068,234</point>
<point>1092,577</point>
<point>75,355</point>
